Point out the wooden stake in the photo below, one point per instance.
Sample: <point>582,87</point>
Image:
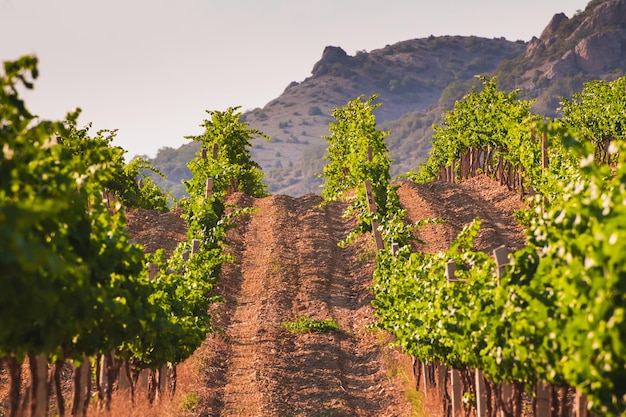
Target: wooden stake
<point>450,271</point>
<point>426,379</point>
<point>153,270</point>
<point>501,255</point>
<point>394,249</point>
<point>209,188</point>
<point>580,405</point>
<point>457,394</point>
<point>481,394</point>
<point>371,203</point>
<point>378,239</point>
<point>233,185</point>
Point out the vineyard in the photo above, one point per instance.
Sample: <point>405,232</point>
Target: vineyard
<point>496,270</point>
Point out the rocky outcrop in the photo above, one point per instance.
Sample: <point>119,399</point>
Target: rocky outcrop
<point>601,17</point>
<point>600,52</point>
<point>591,43</point>
<point>548,33</point>
<point>331,55</point>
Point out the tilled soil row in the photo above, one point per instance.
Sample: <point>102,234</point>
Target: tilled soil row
<point>458,205</point>
<point>288,265</point>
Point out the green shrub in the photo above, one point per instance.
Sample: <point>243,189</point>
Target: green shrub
<point>305,324</point>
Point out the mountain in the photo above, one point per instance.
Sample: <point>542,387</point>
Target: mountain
<point>416,81</point>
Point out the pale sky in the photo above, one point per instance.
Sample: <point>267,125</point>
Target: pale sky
<point>151,68</point>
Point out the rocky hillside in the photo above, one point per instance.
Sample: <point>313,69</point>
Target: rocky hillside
<point>409,76</point>
<point>569,52</point>
<point>417,80</point>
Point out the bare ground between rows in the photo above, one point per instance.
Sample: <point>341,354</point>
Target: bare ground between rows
<point>288,264</point>
<point>458,205</point>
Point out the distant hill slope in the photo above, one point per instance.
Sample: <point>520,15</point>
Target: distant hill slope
<point>410,76</point>
<point>417,80</point>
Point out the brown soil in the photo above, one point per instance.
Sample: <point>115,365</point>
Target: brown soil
<point>458,205</point>
<point>287,264</point>
<point>156,230</point>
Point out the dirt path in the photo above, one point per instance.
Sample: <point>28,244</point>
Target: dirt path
<point>287,265</point>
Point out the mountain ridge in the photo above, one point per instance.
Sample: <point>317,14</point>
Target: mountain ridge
<point>417,80</point>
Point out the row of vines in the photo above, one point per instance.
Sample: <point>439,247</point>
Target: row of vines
<point>555,312</point>
<point>75,290</point>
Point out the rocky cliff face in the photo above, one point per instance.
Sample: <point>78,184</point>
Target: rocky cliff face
<point>592,43</point>
<point>332,55</point>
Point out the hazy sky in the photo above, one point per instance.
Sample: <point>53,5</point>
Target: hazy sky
<point>151,68</point>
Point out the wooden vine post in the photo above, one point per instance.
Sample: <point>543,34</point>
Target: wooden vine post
<point>395,247</point>
<point>481,393</point>
<point>195,246</point>
<point>378,240</point>
<point>209,181</point>
<point>209,188</point>
<point>371,203</point>
<point>501,256</point>
<point>580,405</point>
<point>153,270</point>
<point>456,394</point>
